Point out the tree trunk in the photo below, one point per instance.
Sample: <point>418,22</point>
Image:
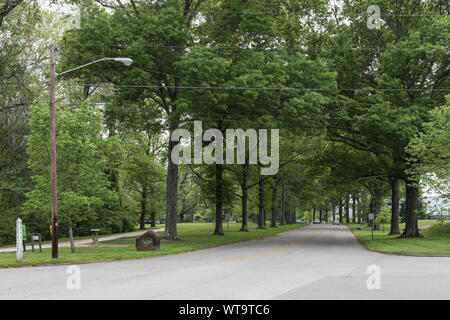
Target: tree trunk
<point>347,208</point>
<point>377,203</point>
<point>283,205</point>
<point>333,208</point>
<point>264,218</point>
<point>182,210</point>
<point>170,232</point>
<point>359,209</point>
<point>314,214</point>
<point>371,210</point>
<point>288,214</point>
<point>244,210</point>
<point>395,208</point>
<point>219,200</point>
<point>244,197</point>
<point>412,204</point>
<point>143,208</point>
<point>153,219</point>
<point>290,210</point>
<point>261,205</point>
<point>273,221</point>
<point>72,243</point>
<point>354,209</point>
<point>340,211</point>
<point>287,211</point>
<point>326,212</point>
<point>320,214</point>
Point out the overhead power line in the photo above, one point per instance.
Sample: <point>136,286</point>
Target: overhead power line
<point>272,12</point>
<point>220,47</point>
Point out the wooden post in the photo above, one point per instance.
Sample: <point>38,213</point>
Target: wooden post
<point>53,181</point>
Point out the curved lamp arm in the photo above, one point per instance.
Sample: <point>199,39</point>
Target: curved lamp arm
<point>126,61</point>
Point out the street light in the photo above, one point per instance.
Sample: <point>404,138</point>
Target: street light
<point>126,61</point>
<point>53,185</point>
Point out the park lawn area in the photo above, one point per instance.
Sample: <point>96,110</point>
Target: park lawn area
<point>193,236</point>
<point>435,240</point>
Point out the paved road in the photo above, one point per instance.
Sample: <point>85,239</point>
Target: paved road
<point>66,244</point>
<point>315,262</point>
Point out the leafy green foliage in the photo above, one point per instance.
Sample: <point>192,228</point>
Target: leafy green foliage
<point>383,217</point>
<point>142,174</point>
<point>430,151</point>
<point>84,196</point>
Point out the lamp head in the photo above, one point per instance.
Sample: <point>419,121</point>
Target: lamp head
<point>126,61</point>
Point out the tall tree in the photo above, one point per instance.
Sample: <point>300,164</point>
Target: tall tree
<point>137,30</point>
<point>143,173</point>
<point>390,88</point>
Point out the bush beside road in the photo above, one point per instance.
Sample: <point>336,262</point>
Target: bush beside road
<point>193,236</point>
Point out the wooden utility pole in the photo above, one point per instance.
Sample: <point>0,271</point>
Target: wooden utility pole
<point>53,183</point>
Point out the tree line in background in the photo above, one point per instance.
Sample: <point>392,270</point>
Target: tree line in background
<point>362,113</point>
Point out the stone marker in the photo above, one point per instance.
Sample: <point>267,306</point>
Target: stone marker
<point>149,241</point>
<point>19,240</point>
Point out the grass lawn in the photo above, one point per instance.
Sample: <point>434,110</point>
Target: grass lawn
<point>193,236</point>
<point>435,240</point>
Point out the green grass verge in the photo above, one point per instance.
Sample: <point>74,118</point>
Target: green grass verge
<point>435,240</point>
<point>193,236</point>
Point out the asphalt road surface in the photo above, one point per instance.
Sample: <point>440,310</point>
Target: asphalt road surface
<point>314,262</point>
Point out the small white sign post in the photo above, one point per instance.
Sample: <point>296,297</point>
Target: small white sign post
<point>19,241</point>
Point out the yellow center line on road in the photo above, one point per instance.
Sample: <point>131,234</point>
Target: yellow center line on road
<point>275,250</point>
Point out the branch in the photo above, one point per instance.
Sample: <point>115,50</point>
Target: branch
<point>136,11</point>
<point>352,143</point>
<point>281,166</point>
<point>192,13</point>
<point>188,209</point>
<point>7,8</point>
<point>372,177</point>
<point>438,81</point>
<point>197,174</point>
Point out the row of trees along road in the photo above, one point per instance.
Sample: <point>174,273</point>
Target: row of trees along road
<point>359,111</point>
